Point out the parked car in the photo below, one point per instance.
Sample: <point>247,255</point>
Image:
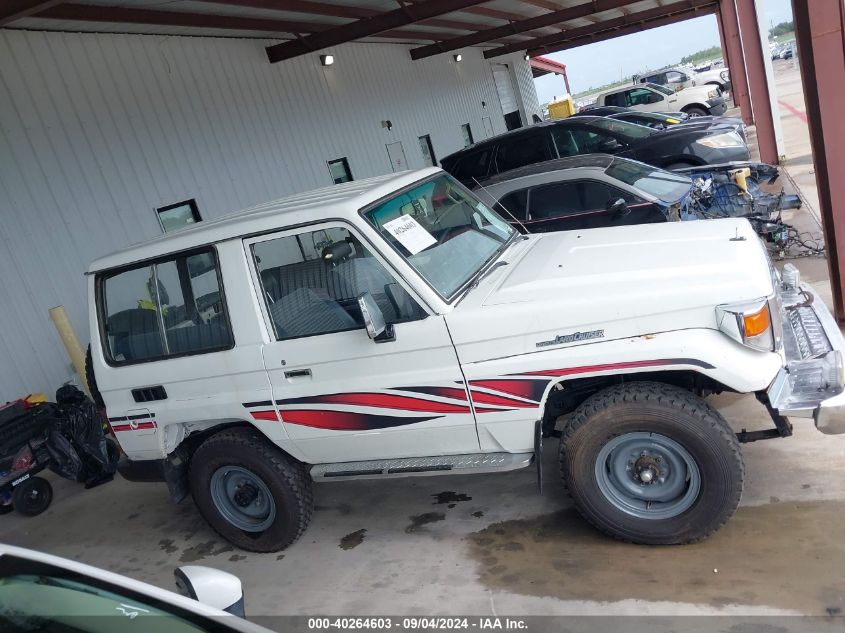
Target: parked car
<point>673,148</point>
<point>649,97</point>
<point>719,77</point>
<point>673,77</point>
<point>41,592</point>
<point>663,120</point>
<point>599,190</point>
<point>397,327</point>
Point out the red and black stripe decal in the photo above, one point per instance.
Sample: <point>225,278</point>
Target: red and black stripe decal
<point>380,401</point>
<point>633,364</point>
<point>455,393</point>
<point>348,420</point>
<point>481,397</point>
<point>530,389</point>
<point>136,422</point>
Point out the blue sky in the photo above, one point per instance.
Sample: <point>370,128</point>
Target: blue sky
<point>604,62</point>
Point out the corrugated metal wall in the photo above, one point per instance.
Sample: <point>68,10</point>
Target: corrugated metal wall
<point>97,130</point>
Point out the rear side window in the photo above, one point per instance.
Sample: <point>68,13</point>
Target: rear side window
<point>471,167</point>
<point>616,99</point>
<point>513,205</point>
<point>171,307</point>
<point>568,198</point>
<point>524,150</point>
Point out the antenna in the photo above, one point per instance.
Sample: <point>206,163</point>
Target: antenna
<point>505,209</point>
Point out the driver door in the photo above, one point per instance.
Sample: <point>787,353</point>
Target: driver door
<point>339,395</point>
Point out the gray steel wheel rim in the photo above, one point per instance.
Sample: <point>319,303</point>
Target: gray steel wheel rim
<point>619,461</point>
<point>226,484</point>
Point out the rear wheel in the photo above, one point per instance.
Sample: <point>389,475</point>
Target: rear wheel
<point>249,491</point>
<point>32,496</point>
<point>652,463</point>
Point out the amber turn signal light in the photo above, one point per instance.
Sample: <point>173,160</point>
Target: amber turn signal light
<point>756,323</point>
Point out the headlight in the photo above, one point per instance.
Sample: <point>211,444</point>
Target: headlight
<point>748,323</point>
<point>725,75</point>
<point>727,139</point>
<point>712,94</point>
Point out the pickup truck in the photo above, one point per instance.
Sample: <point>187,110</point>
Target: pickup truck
<point>650,97</point>
<point>397,327</point>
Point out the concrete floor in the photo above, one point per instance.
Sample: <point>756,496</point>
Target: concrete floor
<point>490,544</point>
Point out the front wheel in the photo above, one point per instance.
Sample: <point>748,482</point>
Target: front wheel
<point>249,491</point>
<point>33,496</point>
<point>695,111</point>
<point>652,463</point>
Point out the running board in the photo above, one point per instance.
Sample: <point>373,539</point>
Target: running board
<point>423,466</point>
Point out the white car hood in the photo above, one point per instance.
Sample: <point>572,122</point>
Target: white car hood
<point>625,281</point>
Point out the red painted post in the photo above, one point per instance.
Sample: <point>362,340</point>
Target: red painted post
<point>758,85</point>
<point>820,35</point>
<point>729,29</point>
<point>566,81</point>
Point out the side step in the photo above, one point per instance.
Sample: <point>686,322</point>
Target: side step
<point>422,466</point>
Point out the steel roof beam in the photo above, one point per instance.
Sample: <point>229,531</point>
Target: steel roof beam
<point>365,27</point>
<point>12,10</point>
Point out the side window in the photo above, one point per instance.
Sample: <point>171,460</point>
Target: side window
<point>311,282</point>
<point>514,204</point>
<point>168,308</point>
<point>474,166</point>
<point>616,99</point>
<point>523,150</point>
<point>569,198</point>
<point>571,142</point>
<point>640,96</point>
<point>555,200</point>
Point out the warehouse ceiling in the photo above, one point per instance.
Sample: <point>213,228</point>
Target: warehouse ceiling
<point>435,26</point>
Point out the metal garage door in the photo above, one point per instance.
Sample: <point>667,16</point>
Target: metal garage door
<point>504,86</point>
<point>507,96</point>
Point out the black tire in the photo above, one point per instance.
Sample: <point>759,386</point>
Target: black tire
<point>658,410</point>
<point>696,111</point>
<point>31,497</point>
<point>287,481</point>
<point>92,381</point>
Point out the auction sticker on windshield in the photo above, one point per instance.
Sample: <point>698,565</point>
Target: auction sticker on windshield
<point>410,233</point>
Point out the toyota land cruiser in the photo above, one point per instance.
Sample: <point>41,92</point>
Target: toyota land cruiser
<point>398,327</point>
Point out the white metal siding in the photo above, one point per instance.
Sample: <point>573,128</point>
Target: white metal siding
<point>504,87</point>
<point>96,130</point>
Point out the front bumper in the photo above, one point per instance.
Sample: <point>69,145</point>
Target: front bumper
<point>717,106</point>
<point>811,383</point>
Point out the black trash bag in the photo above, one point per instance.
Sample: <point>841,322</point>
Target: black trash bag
<point>84,454</point>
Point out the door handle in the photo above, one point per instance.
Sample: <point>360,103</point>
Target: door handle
<point>298,373</point>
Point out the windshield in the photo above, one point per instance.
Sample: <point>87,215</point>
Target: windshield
<point>628,131</point>
<point>662,89</point>
<point>663,185</point>
<point>445,233</point>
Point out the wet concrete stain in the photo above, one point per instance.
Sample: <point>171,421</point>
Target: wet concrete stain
<point>342,509</point>
<point>786,555</point>
<point>353,539</point>
<point>478,514</point>
<point>167,546</point>
<point>236,557</point>
<point>133,516</point>
<point>203,550</point>
<point>420,520</point>
<point>450,497</point>
<point>280,557</point>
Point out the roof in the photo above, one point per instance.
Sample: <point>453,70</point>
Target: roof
<point>334,202</point>
<point>586,161</point>
<point>308,26</point>
<point>579,120</point>
<point>544,65</point>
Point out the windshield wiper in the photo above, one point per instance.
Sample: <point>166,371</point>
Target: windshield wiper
<point>478,279</point>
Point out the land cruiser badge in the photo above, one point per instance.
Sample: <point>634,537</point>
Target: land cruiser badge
<point>575,337</point>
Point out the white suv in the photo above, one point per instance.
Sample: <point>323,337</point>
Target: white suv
<point>398,327</point>
<point>695,100</point>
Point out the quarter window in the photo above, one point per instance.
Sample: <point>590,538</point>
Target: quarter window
<point>179,215</point>
<point>311,282</point>
<point>171,307</point>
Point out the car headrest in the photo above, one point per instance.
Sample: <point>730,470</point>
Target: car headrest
<point>337,252</point>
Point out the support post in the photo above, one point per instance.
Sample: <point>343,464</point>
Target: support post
<point>758,83</point>
<point>729,27</point>
<point>820,37</point>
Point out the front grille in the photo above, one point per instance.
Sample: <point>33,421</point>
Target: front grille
<point>808,331</point>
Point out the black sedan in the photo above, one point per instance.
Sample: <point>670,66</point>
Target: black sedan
<point>663,120</point>
<point>586,192</point>
<point>677,147</point>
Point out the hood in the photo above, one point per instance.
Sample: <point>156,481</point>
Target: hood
<point>623,281</point>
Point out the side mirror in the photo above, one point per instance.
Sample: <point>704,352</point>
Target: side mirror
<point>373,317</point>
<point>618,208</point>
<point>213,587</point>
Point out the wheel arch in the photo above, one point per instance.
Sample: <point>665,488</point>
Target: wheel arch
<point>564,395</point>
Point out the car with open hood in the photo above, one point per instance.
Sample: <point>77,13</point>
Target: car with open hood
<point>676,147</point>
